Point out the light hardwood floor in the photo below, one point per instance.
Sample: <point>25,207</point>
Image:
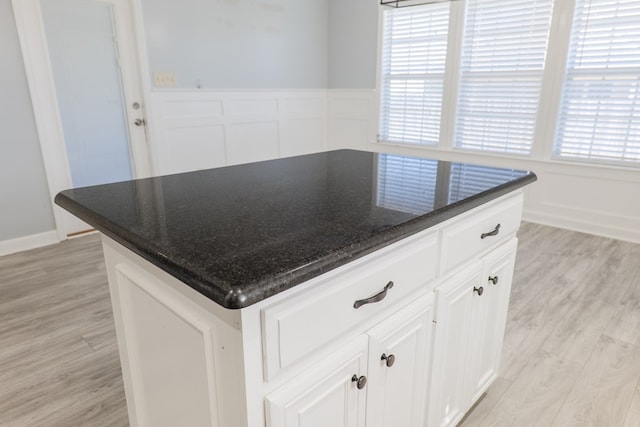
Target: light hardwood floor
<point>571,355</point>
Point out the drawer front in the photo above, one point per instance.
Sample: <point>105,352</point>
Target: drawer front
<point>303,323</point>
<point>480,231</point>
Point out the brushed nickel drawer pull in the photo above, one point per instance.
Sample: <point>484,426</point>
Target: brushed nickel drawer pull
<point>491,233</point>
<point>376,298</point>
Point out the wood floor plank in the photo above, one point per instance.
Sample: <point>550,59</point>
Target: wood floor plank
<point>633,415</point>
<point>604,391</point>
<point>84,391</point>
<point>625,324</point>
<point>552,286</point>
<point>594,303</point>
<point>536,396</point>
<point>490,400</point>
<point>59,363</point>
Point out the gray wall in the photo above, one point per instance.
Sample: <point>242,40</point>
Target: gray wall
<point>25,208</point>
<point>239,44</point>
<point>353,44</point>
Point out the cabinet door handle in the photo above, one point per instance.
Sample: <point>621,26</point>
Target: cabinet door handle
<point>376,298</point>
<point>479,290</point>
<point>491,233</point>
<point>493,279</point>
<point>389,360</point>
<point>361,382</point>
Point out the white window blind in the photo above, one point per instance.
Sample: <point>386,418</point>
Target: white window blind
<point>400,179</point>
<point>413,63</point>
<point>503,57</point>
<point>600,109</point>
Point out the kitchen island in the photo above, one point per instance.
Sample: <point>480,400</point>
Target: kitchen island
<point>343,288</point>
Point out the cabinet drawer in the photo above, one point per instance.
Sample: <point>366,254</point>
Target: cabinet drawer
<point>305,322</point>
<point>480,231</point>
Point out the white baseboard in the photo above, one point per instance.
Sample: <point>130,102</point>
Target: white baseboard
<point>28,242</point>
<point>599,228</point>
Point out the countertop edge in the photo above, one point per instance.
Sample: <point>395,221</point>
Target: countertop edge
<point>232,297</point>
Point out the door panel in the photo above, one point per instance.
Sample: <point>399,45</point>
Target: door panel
<point>453,342</point>
<point>397,393</point>
<point>84,58</point>
<point>325,395</point>
<point>491,315</point>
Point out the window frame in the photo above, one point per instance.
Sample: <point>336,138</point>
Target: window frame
<point>567,74</point>
<point>548,113</point>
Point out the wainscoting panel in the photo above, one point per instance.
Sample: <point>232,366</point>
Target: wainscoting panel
<point>352,118</point>
<point>192,130</point>
<point>193,147</point>
<point>601,202</point>
<point>252,142</point>
<point>301,136</point>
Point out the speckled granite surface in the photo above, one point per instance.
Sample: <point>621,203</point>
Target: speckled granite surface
<point>242,233</point>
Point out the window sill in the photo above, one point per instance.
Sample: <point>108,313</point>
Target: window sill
<point>554,165</point>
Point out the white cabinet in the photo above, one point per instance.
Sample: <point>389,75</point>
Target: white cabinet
<point>426,341</point>
<point>392,385</point>
<point>399,355</point>
<point>326,394</point>
<point>452,346</point>
<point>490,315</point>
<point>470,317</point>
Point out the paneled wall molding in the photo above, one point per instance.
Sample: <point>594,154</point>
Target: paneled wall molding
<point>352,118</point>
<point>201,129</point>
<point>28,242</point>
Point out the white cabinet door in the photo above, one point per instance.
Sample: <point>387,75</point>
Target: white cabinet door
<point>399,352</point>
<point>326,394</point>
<point>450,396</point>
<point>490,318</point>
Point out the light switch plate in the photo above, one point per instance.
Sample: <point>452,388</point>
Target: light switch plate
<point>164,79</point>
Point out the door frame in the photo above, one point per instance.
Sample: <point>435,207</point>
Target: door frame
<point>33,43</point>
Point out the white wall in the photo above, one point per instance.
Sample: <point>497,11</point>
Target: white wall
<point>239,44</point>
<point>25,208</point>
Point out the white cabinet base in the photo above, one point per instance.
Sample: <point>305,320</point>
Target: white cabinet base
<point>291,359</point>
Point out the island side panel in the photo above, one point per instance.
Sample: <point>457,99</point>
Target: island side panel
<point>181,354</point>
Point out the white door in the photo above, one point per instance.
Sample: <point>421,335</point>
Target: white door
<point>84,58</point>
<point>83,72</point>
<point>399,354</point>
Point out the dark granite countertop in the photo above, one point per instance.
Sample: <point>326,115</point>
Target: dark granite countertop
<point>240,234</point>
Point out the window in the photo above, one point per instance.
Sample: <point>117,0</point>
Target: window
<point>495,56</point>
<point>503,58</point>
<point>413,63</point>
<point>600,107</point>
